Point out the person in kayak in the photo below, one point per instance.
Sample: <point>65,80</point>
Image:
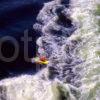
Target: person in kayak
<point>40,60</point>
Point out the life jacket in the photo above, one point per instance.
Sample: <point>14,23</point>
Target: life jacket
<point>43,58</point>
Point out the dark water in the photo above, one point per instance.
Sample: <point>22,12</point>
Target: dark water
<point>16,16</point>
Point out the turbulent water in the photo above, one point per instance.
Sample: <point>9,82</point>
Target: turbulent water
<point>71,40</point>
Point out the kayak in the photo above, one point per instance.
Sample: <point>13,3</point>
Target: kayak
<point>40,60</point>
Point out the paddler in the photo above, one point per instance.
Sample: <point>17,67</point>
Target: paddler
<point>40,60</point>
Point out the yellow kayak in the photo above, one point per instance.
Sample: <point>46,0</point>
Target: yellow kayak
<point>43,62</point>
<point>38,61</point>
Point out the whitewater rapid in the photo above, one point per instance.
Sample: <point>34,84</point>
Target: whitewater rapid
<point>71,40</point>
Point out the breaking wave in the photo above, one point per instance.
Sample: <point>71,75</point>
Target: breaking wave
<point>71,40</point>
